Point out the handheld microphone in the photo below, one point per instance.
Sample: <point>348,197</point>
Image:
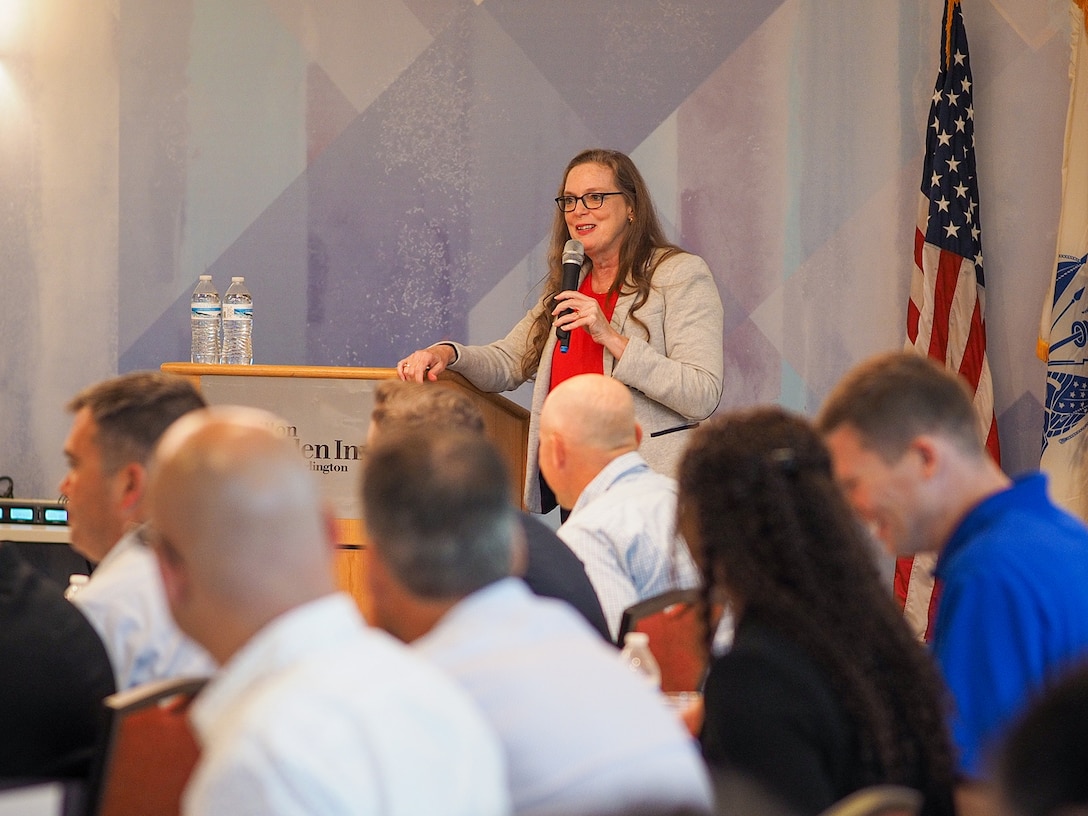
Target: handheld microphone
<point>573,256</point>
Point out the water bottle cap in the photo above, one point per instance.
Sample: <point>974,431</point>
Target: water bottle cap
<point>237,279</point>
<point>636,639</point>
<point>205,277</point>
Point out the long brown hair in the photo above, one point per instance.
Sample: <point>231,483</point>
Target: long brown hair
<point>757,495</point>
<point>643,250</point>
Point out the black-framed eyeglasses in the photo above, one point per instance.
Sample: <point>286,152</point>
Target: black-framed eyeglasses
<point>591,201</point>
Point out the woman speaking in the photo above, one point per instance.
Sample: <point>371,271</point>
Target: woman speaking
<point>644,312</point>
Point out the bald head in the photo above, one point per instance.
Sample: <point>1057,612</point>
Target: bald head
<point>594,411</point>
<point>587,421</point>
<point>237,522</point>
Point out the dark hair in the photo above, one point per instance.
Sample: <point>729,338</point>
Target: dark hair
<point>1041,766</point>
<point>132,411</point>
<point>403,406</point>
<point>639,255</point>
<point>437,507</point>
<point>772,528</point>
<point>892,398</point>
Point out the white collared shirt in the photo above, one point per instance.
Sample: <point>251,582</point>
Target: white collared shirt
<point>125,602</point>
<point>582,734</point>
<point>320,714</point>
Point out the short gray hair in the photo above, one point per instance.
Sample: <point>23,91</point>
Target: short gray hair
<point>405,406</point>
<point>133,410</point>
<point>437,508</point>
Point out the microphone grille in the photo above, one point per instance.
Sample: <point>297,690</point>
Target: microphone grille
<point>574,252</point>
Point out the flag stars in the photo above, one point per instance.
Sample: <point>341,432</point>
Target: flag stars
<point>953,196</point>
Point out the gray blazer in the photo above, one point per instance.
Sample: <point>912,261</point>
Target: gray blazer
<point>673,366</point>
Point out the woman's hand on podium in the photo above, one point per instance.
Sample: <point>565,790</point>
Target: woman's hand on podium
<point>426,364</point>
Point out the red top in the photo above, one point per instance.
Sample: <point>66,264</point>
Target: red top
<point>583,356</point>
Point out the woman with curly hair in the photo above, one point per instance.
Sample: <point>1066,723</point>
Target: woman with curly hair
<point>644,312</point>
<point>825,690</point>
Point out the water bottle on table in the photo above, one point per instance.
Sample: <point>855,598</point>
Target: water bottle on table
<point>636,655</point>
<point>204,319</point>
<point>76,582</point>
<point>237,324</point>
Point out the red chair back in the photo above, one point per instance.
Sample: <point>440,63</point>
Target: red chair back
<point>676,627</point>
<point>150,750</point>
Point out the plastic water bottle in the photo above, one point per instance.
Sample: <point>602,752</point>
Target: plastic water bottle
<point>238,324</point>
<point>205,322</point>
<point>636,655</point>
<point>76,582</point>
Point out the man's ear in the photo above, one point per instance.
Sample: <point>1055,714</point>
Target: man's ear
<point>175,576</point>
<point>328,522</point>
<point>130,482</point>
<point>519,552</point>
<point>559,451</point>
<point>928,450</point>
<point>638,434</point>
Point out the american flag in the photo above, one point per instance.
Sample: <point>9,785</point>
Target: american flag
<point>945,316</point>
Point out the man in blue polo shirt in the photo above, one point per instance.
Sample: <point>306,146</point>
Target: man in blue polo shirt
<point>1012,567</point>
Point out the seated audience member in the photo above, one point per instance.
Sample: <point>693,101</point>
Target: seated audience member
<point>115,427</point>
<point>551,569</point>
<point>622,522</point>
<point>582,733</point>
<point>54,674</point>
<point>312,711</point>
<point>825,690</point>
<point>907,449</point>
<point>1041,770</point>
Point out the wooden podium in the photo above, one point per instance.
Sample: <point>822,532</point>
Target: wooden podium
<point>326,411</point>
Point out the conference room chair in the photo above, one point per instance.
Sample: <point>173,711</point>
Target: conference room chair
<point>878,800</point>
<point>147,752</point>
<point>675,624</point>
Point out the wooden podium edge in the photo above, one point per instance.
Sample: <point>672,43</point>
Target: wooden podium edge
<point>194,371</point>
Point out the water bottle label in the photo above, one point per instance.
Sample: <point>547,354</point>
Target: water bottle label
<point>205,310</point>
<point>233,312</point>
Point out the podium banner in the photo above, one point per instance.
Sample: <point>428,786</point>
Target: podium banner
<point>326,419</point>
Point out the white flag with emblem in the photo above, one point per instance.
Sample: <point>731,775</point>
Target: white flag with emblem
<point>1063,330</point>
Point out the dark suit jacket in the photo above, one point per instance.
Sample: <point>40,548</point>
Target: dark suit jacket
<point>554,571</point>
<point>54,673</point>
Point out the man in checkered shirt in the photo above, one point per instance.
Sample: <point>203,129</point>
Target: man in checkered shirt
<point>622,522</point>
